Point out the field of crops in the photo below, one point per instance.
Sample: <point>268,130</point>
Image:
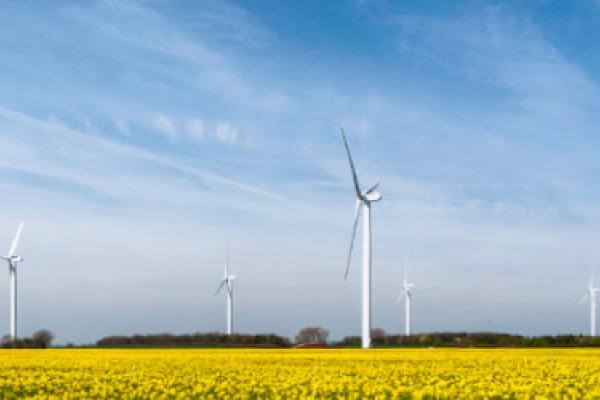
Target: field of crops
<point>300,374</point>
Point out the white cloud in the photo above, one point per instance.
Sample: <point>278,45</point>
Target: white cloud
<point>226,133</point>
<point>165,125</point>
<point>67,159</point>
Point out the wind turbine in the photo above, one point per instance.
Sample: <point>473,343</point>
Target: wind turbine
<point>13,260</point>
<point>591,295</point>
<point>363,200</point>
<point>228,282</point>
<point>406,293</point>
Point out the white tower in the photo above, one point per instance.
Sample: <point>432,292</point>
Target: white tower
<point>228,283</point>
<point>591,295</point>
<point>406,294</point>
<point>13,260</point>
<point>363,200</point>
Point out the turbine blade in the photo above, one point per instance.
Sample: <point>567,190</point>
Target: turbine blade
<point>220,287</point>
<point>372,188</point>
<point>400,297</point>
<point>354,177</point>
<point>356,216</point>
<point>583,299</point>
<point>15,241</point>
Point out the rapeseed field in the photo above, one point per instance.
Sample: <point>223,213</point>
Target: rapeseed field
<point>300,374</point>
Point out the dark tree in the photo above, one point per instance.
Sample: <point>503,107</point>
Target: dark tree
<point>377,333</point>
<point>42,338</point>
<point>312,335</point>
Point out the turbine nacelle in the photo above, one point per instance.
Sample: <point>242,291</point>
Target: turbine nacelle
<point>404,292</point>
<point>406,288</point>
<point>226,282</point>
<point>371,197</point>
<point>227,278</point>
<point>15,259</point>
<point>591,292</point>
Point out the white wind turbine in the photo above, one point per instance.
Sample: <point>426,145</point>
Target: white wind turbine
<point>363,200</point>
<point>13,260</point>
<point>406,293</point>
<point>591,295</point>
<point>228,283</point>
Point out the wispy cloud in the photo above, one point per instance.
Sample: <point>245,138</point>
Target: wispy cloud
<point>72,147</point>
<point>189,59</point>
<point>226,133</point>
<point>164,125</point>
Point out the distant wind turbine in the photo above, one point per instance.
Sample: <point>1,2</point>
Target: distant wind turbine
<point>591,295</point>
<point>228,283</point>
<point>363,200</point>
<point>406,293</point>
<point>13,260</point>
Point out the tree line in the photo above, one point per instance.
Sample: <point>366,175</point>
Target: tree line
<point>195,339</point>
<point>473,339</point>
<point>316,336</point>
<point>310,335</point>
<point>39,340</point>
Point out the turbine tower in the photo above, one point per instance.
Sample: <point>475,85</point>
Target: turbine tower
<point>228,282</point>
<point>363,201</point>
<point>406,293</point>
<point>13,260</point>
<point>591,295</point>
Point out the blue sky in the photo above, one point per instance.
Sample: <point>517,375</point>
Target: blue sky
<point>136,137</point>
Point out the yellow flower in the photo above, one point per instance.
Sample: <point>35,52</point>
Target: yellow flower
<point>308,374</point>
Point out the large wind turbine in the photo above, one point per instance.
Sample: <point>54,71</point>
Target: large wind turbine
<point>228,282</point>
<point>406,293</point>
<point>13,260</point>
<point>363,200</point>
<point>591,295</point>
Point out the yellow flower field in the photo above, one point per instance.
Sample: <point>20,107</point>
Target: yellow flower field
<point>300,374</point>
